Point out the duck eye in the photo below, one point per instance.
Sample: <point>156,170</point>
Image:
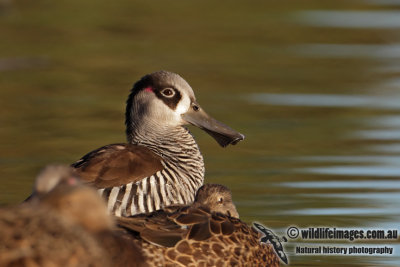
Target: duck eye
<point>220,200</point>
<point>196,107</point>
<point>168,92</point>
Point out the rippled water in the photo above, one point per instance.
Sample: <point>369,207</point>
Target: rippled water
<point>351,18</point>
<point>313,87</point>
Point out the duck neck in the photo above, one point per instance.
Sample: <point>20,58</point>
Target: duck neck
<point>176,146</point>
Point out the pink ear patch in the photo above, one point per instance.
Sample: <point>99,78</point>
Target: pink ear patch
<point>148,89</point>
<point>72,181</point>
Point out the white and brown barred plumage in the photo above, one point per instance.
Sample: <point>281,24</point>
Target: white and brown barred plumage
<point>161,164</point>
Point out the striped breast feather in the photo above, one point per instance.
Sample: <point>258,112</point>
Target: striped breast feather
<point>117,164</point>
<point>150,194</point>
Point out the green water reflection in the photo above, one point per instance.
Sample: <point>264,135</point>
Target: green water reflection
<point>66,68</point>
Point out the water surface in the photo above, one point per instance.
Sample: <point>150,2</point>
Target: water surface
<point>312,86</point>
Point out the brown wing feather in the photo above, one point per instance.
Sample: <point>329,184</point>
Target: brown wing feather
<point>117,164</point>
<point>221,241</point>
<point>156,228</point>
<point>193,236</point>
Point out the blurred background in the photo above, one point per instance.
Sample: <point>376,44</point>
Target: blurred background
<point>313,85</point>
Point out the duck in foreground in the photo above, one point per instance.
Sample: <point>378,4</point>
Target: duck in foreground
<point>64,224</point>
<point>207,233</point>
<point>161,164</point>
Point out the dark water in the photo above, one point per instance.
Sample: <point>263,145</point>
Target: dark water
<point>314,87</point>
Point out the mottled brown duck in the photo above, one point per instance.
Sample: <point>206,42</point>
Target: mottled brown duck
<point>207,233</point>
<point>64,224</point>
<point>161,164</point>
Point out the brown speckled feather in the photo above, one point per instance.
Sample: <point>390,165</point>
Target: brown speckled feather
<point>117,164</point>
<point>198,236</point>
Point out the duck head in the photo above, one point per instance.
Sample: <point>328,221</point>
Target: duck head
<point>163,100</point>
<point>217,198</point>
